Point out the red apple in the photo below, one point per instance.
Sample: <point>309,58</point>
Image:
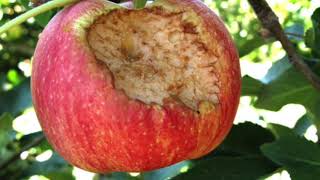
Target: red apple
<point>117,89</point>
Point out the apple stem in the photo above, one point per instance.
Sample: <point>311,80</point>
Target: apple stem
<point>34,12</point>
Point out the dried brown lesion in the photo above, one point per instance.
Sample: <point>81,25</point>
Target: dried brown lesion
<point>189,28</point>
<point>155,55</point>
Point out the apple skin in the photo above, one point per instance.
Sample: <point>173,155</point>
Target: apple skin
<point>99,129</point>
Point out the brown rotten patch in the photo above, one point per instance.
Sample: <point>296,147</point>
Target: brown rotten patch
<point>154,55</point>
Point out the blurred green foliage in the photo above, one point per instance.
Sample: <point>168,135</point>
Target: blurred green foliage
<point>249,152</point>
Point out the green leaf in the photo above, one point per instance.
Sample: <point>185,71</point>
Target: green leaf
<point>243,142</point>
<point>295,32</point>
<point>7,137</point>
<point>54,168</point>
<point>314,114</point>
<point>302,125</point>
<point>316,29</point>
<point>116,176</point>
<point>14,170</point>
<point>4,2</point>
<point>309,38</point>
<point>26,139</point>
<point>312,35</point>
<point>44,18</point>
<point>5,130</point>
<point>250,86</point>
<point>284,86</point>
<point>3,80</point>
<point>246,47</point>
<point>17,99</point>
<point>14,77</point>
<point>25,4</point>
<point>304,172</point>
<point>166,173</point>
<point>281,131</point>
<point>59,175</point>
<point>138,4</point>
<point>230,168</point>
<point>299,156</point>
<point>245,139</point>
<point>277,69</point>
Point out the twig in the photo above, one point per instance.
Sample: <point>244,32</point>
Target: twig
<point>270,21</point>
<point>16,156</point>
<point>34,12</point>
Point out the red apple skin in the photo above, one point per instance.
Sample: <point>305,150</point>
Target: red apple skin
<point>99,129</point>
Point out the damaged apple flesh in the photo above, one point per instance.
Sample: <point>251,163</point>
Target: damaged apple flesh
<point>155,55</point>
<point>116,89</point>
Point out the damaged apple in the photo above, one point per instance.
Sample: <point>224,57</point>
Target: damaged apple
<point>119,89</point>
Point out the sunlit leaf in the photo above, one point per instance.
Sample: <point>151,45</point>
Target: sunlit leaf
<point>14,33</point>
<point>4,2</point>
<point>14,77</point>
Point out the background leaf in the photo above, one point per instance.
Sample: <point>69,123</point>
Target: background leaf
<point>138,4</point>
<point>168,172</point>
<point>245,139</point>
<point>284,86</point>
<point>290,152</point>
<point>302,125</point>
<point>295,32</point>
<point>44,18</point>
<point>281,131</point>
<point>17,99</point>
<point>54,168</point>
<point>5,129</point>
<point>250,86</point>
<point>231,168</point>
<point>316,33</point>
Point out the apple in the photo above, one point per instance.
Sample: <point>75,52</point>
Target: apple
<point>119,89</point>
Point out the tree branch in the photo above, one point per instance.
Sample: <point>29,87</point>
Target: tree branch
<point>270,21</point>
<point>16,155</point>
